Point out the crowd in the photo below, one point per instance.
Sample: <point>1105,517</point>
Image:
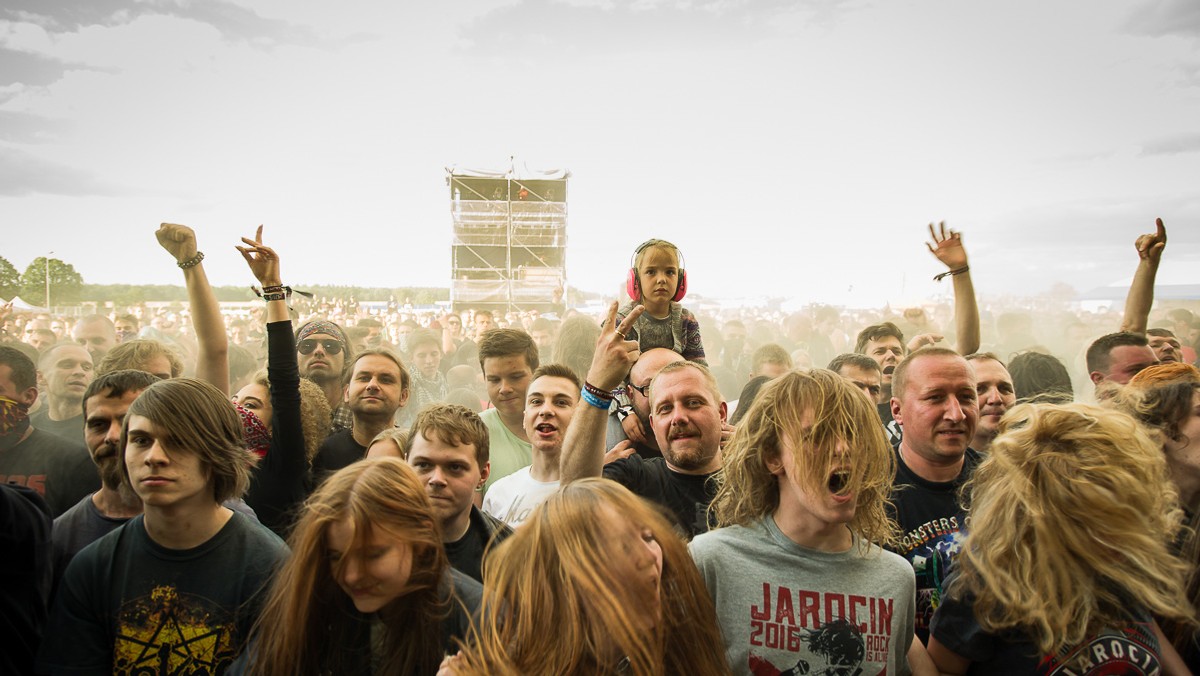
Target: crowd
<point>326,488</point>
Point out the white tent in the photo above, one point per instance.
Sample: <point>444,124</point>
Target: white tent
<point>19,303</point>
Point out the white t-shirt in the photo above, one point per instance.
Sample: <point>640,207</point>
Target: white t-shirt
<point>513,497</point>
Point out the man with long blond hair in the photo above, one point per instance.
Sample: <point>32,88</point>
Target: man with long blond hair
<point>799,583</point>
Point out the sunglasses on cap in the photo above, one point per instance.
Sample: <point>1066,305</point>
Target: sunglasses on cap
<point>309,345</point>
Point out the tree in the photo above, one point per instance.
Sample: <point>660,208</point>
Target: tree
<point>10,280</point>
<point>65,282</point>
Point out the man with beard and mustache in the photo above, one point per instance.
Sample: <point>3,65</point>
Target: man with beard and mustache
<point>322,350</point>
<point>687,415</point>
<point>104,405</point>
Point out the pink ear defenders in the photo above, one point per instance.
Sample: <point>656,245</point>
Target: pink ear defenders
<point>631,282</point>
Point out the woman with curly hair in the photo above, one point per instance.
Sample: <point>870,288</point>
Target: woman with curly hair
<point>594,582</point>
<point>795,568</point>
<point>1068,556</point>
<point>367,589</point>
<point>286,419</point>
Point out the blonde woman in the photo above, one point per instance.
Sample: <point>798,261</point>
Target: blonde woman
<point>1068,553</point>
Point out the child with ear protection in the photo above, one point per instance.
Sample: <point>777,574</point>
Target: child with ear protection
<point>657,281</point>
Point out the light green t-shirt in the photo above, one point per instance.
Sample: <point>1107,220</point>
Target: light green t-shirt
<point>507,453</point>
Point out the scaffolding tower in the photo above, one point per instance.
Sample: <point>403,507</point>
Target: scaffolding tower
<point>510,238</point>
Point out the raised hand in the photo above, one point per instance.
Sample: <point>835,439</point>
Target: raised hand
<point>178,240</point>
<point>614,354</point>
<point>263,260</point>
<point>947,246</point>
<point>1150,246</point>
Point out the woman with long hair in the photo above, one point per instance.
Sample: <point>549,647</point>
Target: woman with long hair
<point>1067,558</point>
<point>1166,398</point>
<point>367,589</point>
<point>594,582</point>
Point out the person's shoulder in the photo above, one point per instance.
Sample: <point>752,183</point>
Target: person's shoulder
<point>490,417</point>
<point>495,529</point>
<point>104,548</point>
<point>466,588</point>
<point>79,511</point>
<point>719,542</point>
<point>630,465</point>
<point>888,560</point>
<point>255,534</point>
<point>23,509</point>
<point>507,484</point>
<point>50,443</point>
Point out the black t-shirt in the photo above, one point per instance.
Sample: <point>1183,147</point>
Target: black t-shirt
<point>70,429</point>
<point>337,451</point>
<point>25,570</point>
<point>930,530</point>
<point>686,495</point>
<point>129,605</point>
<point>1129,649</point>
<point>466,554</point>
<point>60,471</point>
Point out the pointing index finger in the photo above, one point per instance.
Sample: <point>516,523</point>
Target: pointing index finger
<point>1162,229</point>
<point>627,324</point>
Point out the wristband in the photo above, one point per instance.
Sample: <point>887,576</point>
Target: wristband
<point>191,262</point>
<point>275,292</point>
<point>593,400</point>
<point>963,269</point>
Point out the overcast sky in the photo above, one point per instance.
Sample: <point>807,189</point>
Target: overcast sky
<point>789,147</point>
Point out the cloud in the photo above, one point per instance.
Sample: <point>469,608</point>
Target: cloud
<point>24,174</point>
<point>540,27</point>
<point>1166,17</point>
<point>1174,144</point>
<point>28,128</point>
<point>235,23</point>
<point>34,70</point>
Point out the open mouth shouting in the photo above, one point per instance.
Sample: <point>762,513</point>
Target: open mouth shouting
<point>839,482</point>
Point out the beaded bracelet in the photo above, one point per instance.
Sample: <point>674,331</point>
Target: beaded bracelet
<point>191,262</point>
<point>602,394</point>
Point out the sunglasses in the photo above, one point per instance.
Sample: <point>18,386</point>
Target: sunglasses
<point>308,346</point>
